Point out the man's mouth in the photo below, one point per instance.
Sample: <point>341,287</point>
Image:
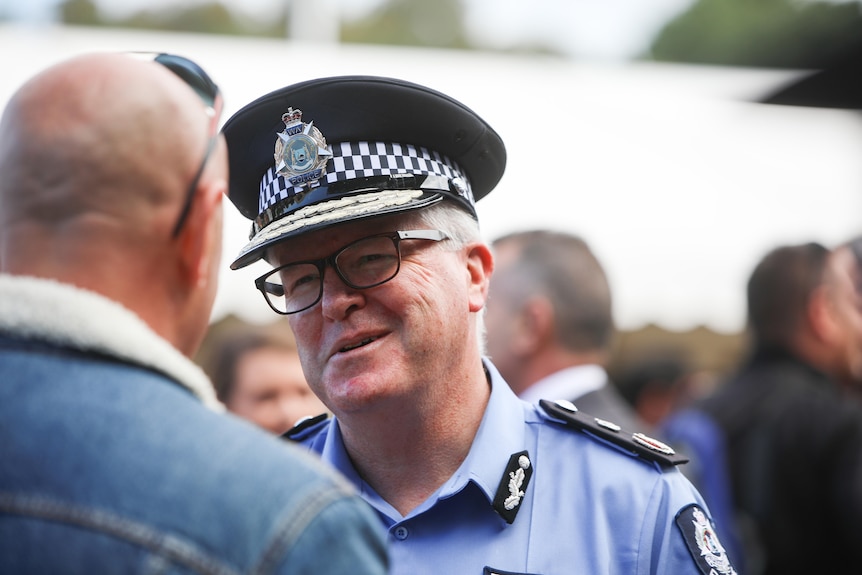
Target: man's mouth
<point>357,345</point>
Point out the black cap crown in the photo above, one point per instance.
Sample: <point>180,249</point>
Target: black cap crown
<point>336,149</point>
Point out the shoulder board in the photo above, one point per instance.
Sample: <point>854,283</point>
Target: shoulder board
<point>306,423</point>
<point>635,443</point>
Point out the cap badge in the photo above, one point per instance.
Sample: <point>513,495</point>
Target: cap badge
<point>301,153</point>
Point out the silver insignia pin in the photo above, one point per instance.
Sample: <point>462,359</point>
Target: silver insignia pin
<point>608,424</point>
<point>567,405</point>
<point>513,486</point>
<point>653,444</point>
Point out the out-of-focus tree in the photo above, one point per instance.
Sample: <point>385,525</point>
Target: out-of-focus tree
<point>436,24</point>
<point>82,12</point>
<point>210,18</point>
<point>763,33</point>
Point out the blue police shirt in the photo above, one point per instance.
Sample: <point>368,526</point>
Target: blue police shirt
<point>590,506</point>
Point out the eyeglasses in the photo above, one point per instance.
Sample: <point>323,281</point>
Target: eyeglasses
<point>365,263</point>
<point>199,81</point>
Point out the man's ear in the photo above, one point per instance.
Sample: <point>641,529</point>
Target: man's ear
<point>480,266</point>
<point>820,313</point>
<point>536,324</point>
<point>201,236</point>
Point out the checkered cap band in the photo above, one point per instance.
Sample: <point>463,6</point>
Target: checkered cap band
<point>352,160</point>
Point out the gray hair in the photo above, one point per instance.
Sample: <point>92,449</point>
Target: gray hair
<point>462,229</point>
<point>563,268</point>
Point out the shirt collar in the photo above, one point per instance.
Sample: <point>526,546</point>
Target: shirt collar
<point>335,454</point>
<point>501,433</point>
<point>569,383</point>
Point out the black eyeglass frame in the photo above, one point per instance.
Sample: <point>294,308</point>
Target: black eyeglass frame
<point>331,260</point>
<point>198,80</point>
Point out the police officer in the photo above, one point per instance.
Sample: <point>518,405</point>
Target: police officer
<point>361,191</point>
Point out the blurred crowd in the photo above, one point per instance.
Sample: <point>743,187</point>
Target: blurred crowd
<point>773,442</point>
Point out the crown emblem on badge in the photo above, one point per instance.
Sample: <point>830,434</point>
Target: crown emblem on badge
<point>301,153</point>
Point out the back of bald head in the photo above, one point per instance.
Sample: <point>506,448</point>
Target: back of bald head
<point>101,142</point>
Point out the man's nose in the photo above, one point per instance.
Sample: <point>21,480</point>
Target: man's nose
<point>338,297</point>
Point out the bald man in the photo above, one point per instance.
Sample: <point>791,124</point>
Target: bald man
<point>116,456</point>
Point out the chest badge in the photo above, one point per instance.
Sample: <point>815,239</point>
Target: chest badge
<point>513,486</point>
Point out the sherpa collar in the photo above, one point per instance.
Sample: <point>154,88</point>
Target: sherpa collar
<point>62,314</point>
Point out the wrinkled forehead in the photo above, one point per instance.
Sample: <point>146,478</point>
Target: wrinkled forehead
<point>322,242</point>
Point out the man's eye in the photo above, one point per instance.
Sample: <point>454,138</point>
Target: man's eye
<point>303,281</point>
<point>373,258</point>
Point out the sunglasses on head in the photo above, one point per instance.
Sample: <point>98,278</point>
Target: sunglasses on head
<point>198,80</point>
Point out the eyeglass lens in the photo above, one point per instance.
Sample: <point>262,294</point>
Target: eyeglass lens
<point>362,264</point>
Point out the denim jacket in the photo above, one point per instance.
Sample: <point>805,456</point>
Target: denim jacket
<point>115,457</point>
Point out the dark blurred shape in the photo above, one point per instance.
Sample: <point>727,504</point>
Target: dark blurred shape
<point>793,439</point>
<point>656,386</point>
<point>662,386</point>
<point>837,85</point>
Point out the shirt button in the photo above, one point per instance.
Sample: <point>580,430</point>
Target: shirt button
<point>401,533</point>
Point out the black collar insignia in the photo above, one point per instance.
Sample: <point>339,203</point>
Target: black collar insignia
<point>295,432</point>
<point>513,486</point>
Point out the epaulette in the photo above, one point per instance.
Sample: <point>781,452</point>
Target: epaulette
<point>295,433</point>
<point>635,443</point>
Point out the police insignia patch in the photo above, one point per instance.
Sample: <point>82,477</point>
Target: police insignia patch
<point>703,543</point>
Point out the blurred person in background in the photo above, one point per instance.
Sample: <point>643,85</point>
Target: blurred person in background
<point>664,391</point>
<point>656,385</point>
<point>550,324</point>
<point>116,455</point>
<point>794,443</point>
<point>550,329</point>
<point>257,375</point>
<point>847,259</point>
